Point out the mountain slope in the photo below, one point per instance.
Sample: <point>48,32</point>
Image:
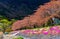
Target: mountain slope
<point>17,8</point>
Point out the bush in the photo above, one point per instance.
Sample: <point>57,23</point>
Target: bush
<point>5,25</point>
<point>18,38</point>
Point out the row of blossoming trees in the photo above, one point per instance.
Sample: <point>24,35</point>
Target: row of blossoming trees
<point>42,15</point>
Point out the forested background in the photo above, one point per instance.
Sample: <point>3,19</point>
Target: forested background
<point>17,9</point>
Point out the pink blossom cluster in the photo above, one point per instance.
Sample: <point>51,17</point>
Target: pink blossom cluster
<point>55,30</point>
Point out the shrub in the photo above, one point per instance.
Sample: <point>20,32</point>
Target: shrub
<point>18,38</point>
<point>5,25</point>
